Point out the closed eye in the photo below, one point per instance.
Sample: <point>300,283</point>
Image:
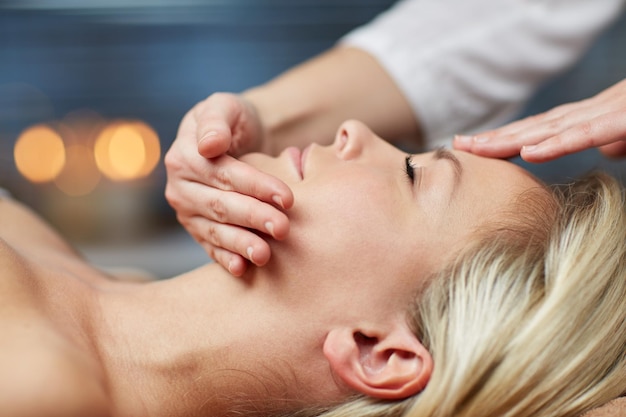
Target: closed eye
<point>409,169</point>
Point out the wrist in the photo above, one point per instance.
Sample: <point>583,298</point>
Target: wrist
<point>255,97</point>
<point>283,117</point>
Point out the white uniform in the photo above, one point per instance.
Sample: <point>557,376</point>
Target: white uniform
<point>470,65</point>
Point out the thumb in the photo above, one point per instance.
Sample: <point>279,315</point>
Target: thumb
<point>216,118</point>
<point>214,138</point>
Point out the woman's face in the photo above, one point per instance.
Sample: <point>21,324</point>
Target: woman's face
<point>371,221</point>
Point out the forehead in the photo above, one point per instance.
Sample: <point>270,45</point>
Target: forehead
<point>474,182</point>
<point>494,173</point>
<point>489,187</point>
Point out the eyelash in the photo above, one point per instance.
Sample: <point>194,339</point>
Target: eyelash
<point>409,170</point>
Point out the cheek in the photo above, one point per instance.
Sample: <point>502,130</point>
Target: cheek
<point>353,249</point>
<point>353,233</point>
<point>355,214</point>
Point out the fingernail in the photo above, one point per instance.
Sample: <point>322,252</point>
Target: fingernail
<point>481,139</point>
<point>529,148</point>
<point>278,200</point>
<point>269,226</point>
<point>231,266</point>
<point>462,138</point>
<point>208,135</point>
<point>250,251</point>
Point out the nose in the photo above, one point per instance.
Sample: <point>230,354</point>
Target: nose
<point>351,139</point>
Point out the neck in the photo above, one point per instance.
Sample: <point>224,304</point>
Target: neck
<point>208,342</point>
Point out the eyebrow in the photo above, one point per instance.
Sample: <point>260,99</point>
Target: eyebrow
<point>446,154</point>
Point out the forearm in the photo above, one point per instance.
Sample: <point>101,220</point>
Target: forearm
<point>307,103</point>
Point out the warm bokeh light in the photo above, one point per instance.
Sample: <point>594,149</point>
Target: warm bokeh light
<point>80,175</point>
<point>77,151</point>
<point>127,150</point>
<point>101,152</point>
<point>152,147</point>
<point>39,153</point>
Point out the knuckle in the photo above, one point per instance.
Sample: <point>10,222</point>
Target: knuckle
<point>581,137</point>
<point>212,235</point>
<point>218,209</point>
<point>555,125</point>
<point>222,99</point>
<point>223,178</point>
<point>251,219</point>
<point>219,95</point>
<point>172,161</point>
<point>558,140</point>
<point>172,196</point>
<point>586,127</point>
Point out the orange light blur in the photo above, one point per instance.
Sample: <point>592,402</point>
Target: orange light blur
<point>39,153</point>
<point>127,150</point>
<point>152,147</point>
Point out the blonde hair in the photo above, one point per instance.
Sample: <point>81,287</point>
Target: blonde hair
<point>525,324</point>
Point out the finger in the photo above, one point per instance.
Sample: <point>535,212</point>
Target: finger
<point>247,212</point>
<point>508,140</point>
<point>551,118</point>
<point>195,199</point>
<point>514,128</point>
<point>505,141</point>
<point>233,263</point>
<point>215,118</point>
<point>230,238</point>
<point>603,130</point>
<point>225,173</point>
<point>230,174</point>
<point>503,146</point>
<point>614,150</point>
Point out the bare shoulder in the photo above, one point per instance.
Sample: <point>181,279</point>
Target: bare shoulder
<point>41,376</point>
<point>24,229</point>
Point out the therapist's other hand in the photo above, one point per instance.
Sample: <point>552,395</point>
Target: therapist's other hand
<point>599,121</point>
<point>222,202</point>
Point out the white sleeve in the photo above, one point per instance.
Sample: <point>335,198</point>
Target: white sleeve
<point>469,65</point>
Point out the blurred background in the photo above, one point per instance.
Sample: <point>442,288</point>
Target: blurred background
<point>92,91</point>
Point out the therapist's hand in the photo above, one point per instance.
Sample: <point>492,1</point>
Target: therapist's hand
<point>222,202</point>
<point>599,121</point>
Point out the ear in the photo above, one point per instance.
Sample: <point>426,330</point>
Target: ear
<point>391,365</point>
